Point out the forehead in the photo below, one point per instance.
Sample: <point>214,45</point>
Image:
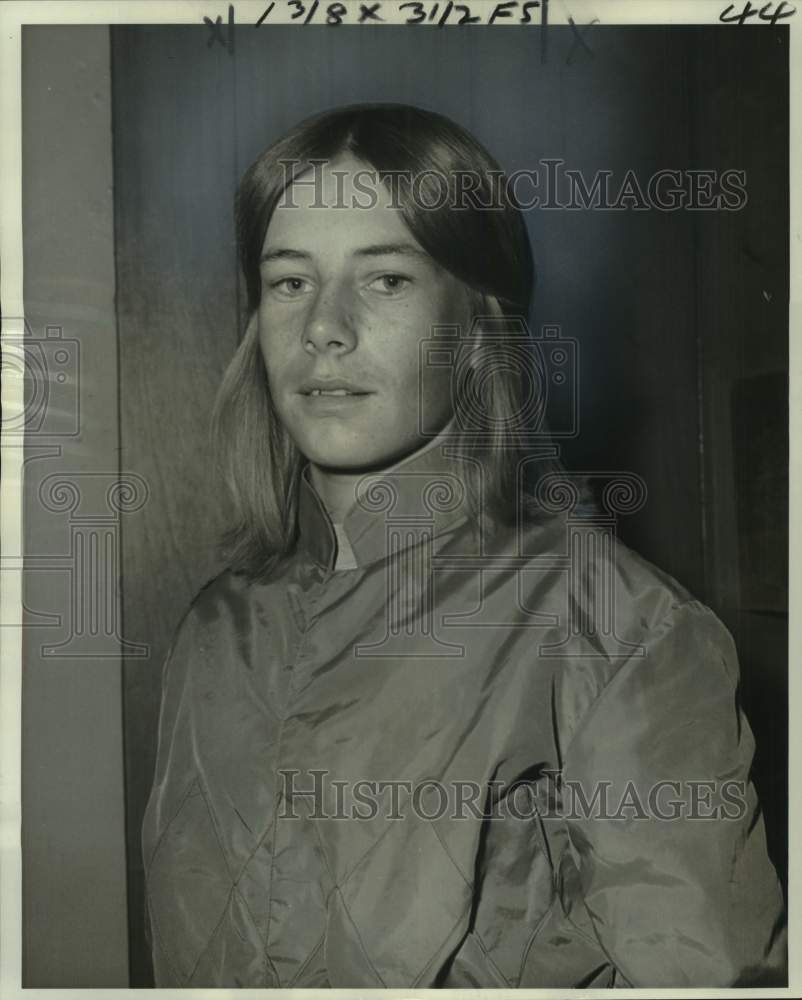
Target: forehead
<point>336,205</point>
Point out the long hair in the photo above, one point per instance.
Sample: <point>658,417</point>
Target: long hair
<point>482,241</point>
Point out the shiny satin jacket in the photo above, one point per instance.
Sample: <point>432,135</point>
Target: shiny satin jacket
<point>363,775</point>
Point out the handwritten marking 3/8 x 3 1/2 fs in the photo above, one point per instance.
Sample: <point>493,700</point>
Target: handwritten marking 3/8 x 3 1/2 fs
<point>437,13</point>
<point>433,12</point>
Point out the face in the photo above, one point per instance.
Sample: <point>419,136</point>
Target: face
<point>347,297</point>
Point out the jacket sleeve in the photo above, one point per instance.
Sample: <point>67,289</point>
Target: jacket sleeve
<point>171,775</point>
<point>663,824</point>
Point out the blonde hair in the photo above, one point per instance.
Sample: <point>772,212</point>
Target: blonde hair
<point>488,250</point>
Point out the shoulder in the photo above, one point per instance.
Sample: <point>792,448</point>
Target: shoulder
<point>218,593</point>
<point>633,639</point>
<point>599,579</point>
<point>231,593</point>
<point>658,611</point>
<point>219,608</point>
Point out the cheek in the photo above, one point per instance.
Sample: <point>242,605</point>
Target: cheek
<point>436,390</point>
<point>400,351</point>
<point>275,341</point>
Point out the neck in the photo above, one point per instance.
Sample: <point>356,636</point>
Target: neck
<point>338,488</point>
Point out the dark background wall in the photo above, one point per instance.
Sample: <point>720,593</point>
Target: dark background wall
<point>681,318</point>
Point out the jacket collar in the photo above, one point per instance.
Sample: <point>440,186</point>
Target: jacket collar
<point>423,495</point>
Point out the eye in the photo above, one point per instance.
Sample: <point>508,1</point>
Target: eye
<point>389,284</point>
<point>289,288</point>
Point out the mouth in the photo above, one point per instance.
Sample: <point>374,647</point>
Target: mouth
<point>334,392</point>
<point>332,388</point>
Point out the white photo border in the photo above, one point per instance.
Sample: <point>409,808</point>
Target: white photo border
<point>13,15</point>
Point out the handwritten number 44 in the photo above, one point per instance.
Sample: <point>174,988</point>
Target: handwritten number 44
<point>764,13</point>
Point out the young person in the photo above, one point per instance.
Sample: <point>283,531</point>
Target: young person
<point>432,728</point>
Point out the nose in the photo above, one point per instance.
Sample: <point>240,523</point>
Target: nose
<point>329,325</point>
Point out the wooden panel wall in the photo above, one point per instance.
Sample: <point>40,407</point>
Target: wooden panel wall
<point>662,304</point>
<point>177,319</point>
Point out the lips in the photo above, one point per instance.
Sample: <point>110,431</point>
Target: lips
<point>336,388</point>
<point>334,392</point>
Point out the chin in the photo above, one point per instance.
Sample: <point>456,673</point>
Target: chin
<point>355,456</point>
<point>347,460</point>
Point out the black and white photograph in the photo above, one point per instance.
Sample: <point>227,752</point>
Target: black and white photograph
<point>400,445</point>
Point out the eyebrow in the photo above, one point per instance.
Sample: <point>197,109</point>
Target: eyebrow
<point>374,250</point>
